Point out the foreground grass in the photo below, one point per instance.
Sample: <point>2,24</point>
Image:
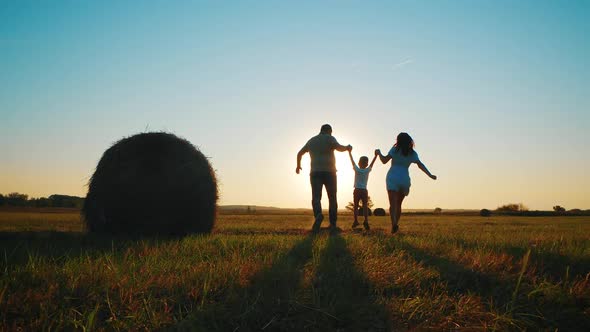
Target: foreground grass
<point>266,272</point>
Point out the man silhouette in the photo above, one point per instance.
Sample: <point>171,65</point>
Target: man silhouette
<point>323,173</point>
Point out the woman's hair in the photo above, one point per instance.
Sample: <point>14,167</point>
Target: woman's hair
<point>404,143</point>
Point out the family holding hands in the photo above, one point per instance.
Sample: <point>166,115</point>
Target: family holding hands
<point>323,173</point>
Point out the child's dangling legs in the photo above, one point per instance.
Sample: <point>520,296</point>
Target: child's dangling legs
<point>355,207</point>
<point>363,196</point>
<point>365,208</point>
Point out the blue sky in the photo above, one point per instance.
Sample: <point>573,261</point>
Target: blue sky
<point>495,93</point>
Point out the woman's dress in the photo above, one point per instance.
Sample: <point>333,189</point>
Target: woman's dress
<point>398,177</point>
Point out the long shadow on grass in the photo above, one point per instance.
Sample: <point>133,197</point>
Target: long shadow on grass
<point>267,302</point>
<point>460,279</point>
<point>262,231</point>
<point>342,296</point>
<point>339,299</point>
<point>18,247</point>
<point>548,312</point>
<point>549,264</point>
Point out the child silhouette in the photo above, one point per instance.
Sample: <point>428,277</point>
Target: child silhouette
<point>361,178</point>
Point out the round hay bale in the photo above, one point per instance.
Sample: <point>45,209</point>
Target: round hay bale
<point>151,183</point>
<point>380,212</point>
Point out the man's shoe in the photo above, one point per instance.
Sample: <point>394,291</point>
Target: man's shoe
<point>366,225</point>
<point>355,224</point>
<point>394,229</point>
<point>317,223</point>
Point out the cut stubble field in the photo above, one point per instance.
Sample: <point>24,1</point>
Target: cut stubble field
<point>266,272</point>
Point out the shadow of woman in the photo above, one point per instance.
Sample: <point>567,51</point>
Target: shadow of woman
<point>548,312</point>
<point>549,262</point>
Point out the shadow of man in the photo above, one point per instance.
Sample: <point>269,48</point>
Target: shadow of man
<point>342,295</point>
<point>277,299</point>
<point>267,302</point>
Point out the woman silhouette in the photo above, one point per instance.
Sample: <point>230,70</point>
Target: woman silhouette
<point>402,155</point>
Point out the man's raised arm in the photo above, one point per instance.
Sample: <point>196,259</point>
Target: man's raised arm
<point>339,147</point>
<point>300,154</point>
<point>343,148</point>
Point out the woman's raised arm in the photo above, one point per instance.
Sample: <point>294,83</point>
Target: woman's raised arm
<point>425,170</point>
<point>384,159</point>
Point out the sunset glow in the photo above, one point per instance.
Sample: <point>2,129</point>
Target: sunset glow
<point>498,106</point>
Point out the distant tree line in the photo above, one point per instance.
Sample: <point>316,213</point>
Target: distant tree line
<point>23,200</point>
<point>519,209</point>
<point>512,207</point>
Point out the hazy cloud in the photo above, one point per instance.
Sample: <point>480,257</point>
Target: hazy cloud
<point>402,64</point>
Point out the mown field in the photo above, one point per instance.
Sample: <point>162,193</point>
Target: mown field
<point>265,272</point>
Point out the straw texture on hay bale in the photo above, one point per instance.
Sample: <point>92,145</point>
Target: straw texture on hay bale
<point>152,183</point>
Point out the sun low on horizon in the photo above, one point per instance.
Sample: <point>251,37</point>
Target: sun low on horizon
<point>198,165</point>
<point>495,97</point>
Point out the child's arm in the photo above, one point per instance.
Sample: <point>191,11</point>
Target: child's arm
<point>373,161</point>
<point>351,159</point>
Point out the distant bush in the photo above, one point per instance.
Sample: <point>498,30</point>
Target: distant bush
<point>23,200</point>
<point>575,211</point>
<point>40,202</point>
<point>437,210</point>
<point>16,199</point>
<point>558,208</point>
<point>65,201</point>
<point>512,207</point>
<point>379,212</point>
<point>485,213</point>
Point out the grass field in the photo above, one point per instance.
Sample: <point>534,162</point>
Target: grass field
<point>265,272</point>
